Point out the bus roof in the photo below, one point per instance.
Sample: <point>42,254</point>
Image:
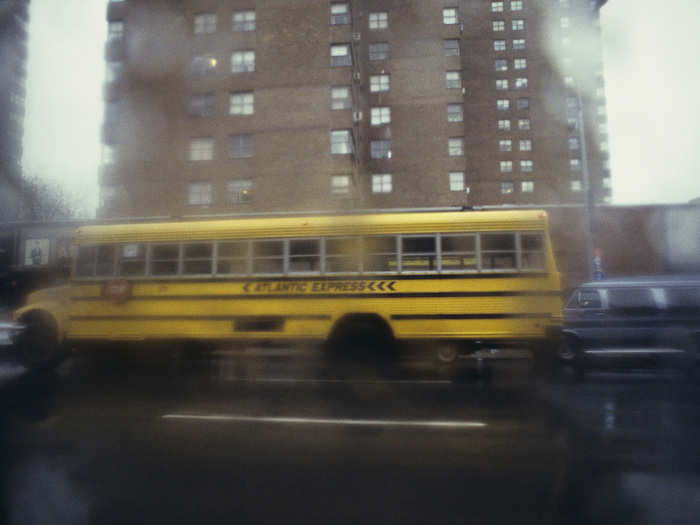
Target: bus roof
<point>337,225</point>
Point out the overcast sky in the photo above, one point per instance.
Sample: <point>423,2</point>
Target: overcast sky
<point>651,75</point>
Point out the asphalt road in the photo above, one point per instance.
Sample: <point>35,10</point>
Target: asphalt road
<point>277,436</point>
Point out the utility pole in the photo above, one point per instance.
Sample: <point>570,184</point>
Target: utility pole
<point>587,200</point>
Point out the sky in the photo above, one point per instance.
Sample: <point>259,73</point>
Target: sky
<point>650,65</point>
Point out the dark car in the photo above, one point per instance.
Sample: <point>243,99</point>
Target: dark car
<point>637,320</point>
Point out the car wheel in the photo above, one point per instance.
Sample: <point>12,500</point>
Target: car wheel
<point>569,350</point>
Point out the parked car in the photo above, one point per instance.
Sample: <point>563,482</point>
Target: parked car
<point>638,320</point>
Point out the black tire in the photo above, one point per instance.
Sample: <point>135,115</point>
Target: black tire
<point>569,350</point>
<point>38,344</point>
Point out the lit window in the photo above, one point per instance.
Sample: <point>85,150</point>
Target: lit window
<point>518,25</point>
<point>507,188</point>
<point>453,79</point>
<point>569,81</point>
<point>522,103</point>
<point>564,22</point>
<point>203,65</point>
<point>576,185</point>
<point>502,104</point>
<point>340,97</point>
<point>115,31</point>
<point>575,164</point>
<point>520,63</point>
<point>504,125</point>
<point>456,180</point>
<point>506,166</point>
<point>242,61</point>
<point>378,83</point>
<point>340,55</point>
<point>499,45</point>
<point>239,191</point>
<point>505,145</point>
<point>606,164</point>
<point>600,92</point>
<point>241,103</point>
<point>380,115</point>
<point>340,14</point>
<point>240,146</point>
<point>455,112</point>
<point>524,124</point>
<point>201,149</point>
<point>202,105</point>
<point>451,48</point>
<point>573,143</point>
<point>244,20</point>
<point>449,15</point>
<point>525,145</point>
<point>381,183</point>
<point>603,146</point>
<point>341,142</point>
<point>527,186</point>
<point>340,184</point>
<point>496,7</point>
<point>498,25</point>
<point>205,23</point>
<point>526,165</point>
<point>603,128</point>
<point>571,124</point>
<point>501,65</point>
<point>107,154</point>
<point>607,183</point>
<point>379,20</point>
<point>379,51</point>
<point>455,146</point>
<point>601,110</point>
<point>501,84</point>
<point>521,83</point>
<point>516,5</point>
<point>380,149</point>
<point>519,44</point>
<point>113,71</point>
<point>199,193</point>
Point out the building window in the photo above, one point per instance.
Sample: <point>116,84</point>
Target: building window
<point>107,154</point>
<point>238,191</point>
<point>521,83</point>
<point>522,103</point>
<point>108,196</point>
<point>455,112</point>
<point>506,166</point>
<point>498,25</point>
<point>575,164</point>
<point>115,30</point>
<point>526,165</point>
<point>563,3</point>
<point>516,5</point>
<point>503,104</point>
<point>501,64</point>
<point>573,143</point>
<point>520,63</point>
<point>379,20</point>
<point>380,116</point>
<point>244,20</point>
<point>243,61</point>
<point>379,51</point>
<point>378,83</point>
<point>202,105</point>
<point>496,7</point>
<point>453,79</point>
<point>603,128</point>
<point>456,180</point>
<point>576,185</point>
<point>507,188</point>
<point>571,124</point>
<point>527,186</point>
<point>340,14</point>
<point>603,146</point>
<point>518,25</point>
<point>340,97</point>
<point>202,149</point>
<point>242,103</point>
<point>601,111</point>
<point>571,103</point>
<point>205,23</point>
<point>607,183</point>
<point>505,145</point>
<point>340,184</point>
<point>518,44</point>
<point>381,183</point>
<point>203,65</point>
<point>504,125</point>
<point>449,15</point>
<point>501,84</point>
<point>568,62</point>
<point>455,146</point>
<point>564,22</point>
<point>524,124</point>
<point>199,193</point>
<point>341,142</point>
<point>380,149</point>
<point>569,81</point>
<point>525,145</point>
<point>499,45</point>
<point>340,55</point>
<point>600,92</point>
<point>240,146</point>
<point>451,47</point>
<point>113,71</point>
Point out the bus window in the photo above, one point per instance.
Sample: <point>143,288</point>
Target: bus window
<point>304,256</point>
<point>164,259</point>
<point>132,260</point>
<point>418,254</point>
<point>104,266</point>
<point>268,257</point>
<point>197,259</point>
<point>85,265</point>
<point>233,257</point>
<point>380,254</point>
<point>458,252</point>
<point>532,251</point>
<point>498,251</point>
<point>343,255</point>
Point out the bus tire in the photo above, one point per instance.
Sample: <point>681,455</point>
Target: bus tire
<point>446,353</point>
<point>361,335</point>
<point>38,344</point>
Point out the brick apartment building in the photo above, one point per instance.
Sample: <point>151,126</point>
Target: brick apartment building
<point>237,106</point>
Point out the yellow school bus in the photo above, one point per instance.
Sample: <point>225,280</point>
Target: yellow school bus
<point>455,278</point>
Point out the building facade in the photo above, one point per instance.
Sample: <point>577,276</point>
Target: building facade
<point>232,106</point>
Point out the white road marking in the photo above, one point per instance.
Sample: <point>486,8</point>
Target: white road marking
<point>326,421</point>
<point>357,381</point>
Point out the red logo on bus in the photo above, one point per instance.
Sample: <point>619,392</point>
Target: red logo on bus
<point>118,290</point>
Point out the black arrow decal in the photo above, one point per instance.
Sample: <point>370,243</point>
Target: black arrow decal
<point>391,286</point>
<point>380,285</point>
<point>371,285</point>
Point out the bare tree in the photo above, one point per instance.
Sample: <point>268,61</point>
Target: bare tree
<point>46,201</point>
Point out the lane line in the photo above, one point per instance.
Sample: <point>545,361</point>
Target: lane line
<point>326,421</point>
<point>354,381</point>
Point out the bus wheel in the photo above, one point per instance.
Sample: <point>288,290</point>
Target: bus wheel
<point>361,336</point>
<point>38,346</point>
<point>446,353</point>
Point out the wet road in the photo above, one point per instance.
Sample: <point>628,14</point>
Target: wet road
<point>270,436</point>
